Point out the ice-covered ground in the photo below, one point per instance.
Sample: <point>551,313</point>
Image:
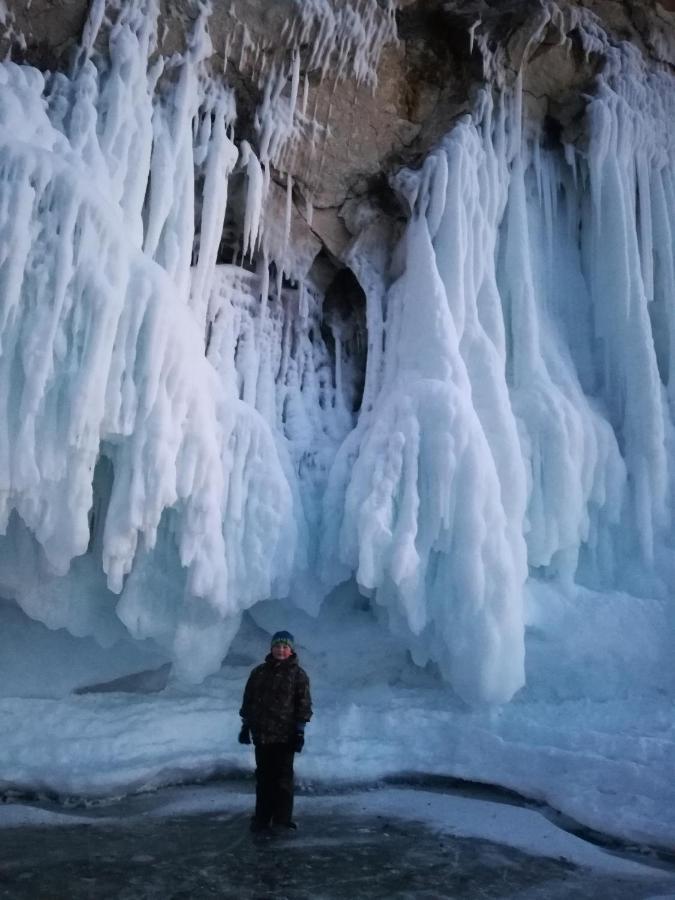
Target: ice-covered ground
<point>503,823</point>
<point>594,737</point>
<point>406,843</point>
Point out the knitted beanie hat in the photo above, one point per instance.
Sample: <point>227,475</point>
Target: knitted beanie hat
<point>283,637</point>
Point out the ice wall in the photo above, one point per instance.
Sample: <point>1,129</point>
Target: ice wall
<point>103,354</point>
<point>523,421</point>
<point>181,439</point>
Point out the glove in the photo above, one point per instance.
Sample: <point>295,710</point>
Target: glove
<point>244,734</point>
<point>298,742</point>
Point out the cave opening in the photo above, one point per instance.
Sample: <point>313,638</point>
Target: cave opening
<point>343,325</point>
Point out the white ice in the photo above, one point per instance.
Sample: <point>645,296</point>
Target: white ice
<point>587,738</point>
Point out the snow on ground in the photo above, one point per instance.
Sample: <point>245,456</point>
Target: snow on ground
<point>605,758</point>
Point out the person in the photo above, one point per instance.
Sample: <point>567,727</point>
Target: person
<point>276,707</point>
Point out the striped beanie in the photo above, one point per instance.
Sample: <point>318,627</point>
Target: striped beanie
<point>283,637</point>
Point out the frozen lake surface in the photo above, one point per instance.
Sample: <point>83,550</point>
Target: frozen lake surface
<point>391,842</point>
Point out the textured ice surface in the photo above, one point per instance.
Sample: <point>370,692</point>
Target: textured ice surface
<point>383,843</point>
<point>180,440</point>
<point>592,735</point>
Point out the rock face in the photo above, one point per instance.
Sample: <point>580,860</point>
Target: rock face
<point>359,126</point>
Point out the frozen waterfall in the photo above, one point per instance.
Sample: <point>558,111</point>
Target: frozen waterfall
<point>181,438</point>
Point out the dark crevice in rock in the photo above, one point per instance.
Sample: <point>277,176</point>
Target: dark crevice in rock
<point>344,316</point>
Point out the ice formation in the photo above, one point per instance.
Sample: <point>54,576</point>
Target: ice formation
<point>195,433</point>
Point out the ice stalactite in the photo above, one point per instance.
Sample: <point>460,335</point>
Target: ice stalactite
<point>426,524</point>
<point>521,420</point>
<point>170,227</point>
<point>218,157</point>
<point>340,40</point>
<point>347,36</point>
<point>102,353</point>
<point>273,360</point>
<point>628,253</point>
<point>574,470</point>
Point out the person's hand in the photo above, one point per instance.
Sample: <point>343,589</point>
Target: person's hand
<point>245,734</point>
<point>298,742</point>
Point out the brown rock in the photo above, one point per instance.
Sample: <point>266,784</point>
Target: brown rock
<point>353,135</point>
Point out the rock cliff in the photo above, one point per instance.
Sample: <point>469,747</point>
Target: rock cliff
<point>381,100</point>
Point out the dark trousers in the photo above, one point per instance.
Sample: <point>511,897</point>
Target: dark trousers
<point>274,784</point>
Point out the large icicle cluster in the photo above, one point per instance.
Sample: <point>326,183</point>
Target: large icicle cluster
<point>125,446</point>
<point>523,416</point>
<point>103,348</point>
<point>425,525</point>
<point>189,429</point>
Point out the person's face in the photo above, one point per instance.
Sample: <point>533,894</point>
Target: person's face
<point>281,651</point>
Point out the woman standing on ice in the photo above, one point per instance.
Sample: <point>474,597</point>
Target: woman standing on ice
<point>276,707</point>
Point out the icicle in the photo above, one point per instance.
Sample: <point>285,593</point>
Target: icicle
<point>288,214</point>
<point>305,96</point>
<point>472,35</point>
<point>254,198</point>
<point>92,26</point>
<point>348,38</point>
<point>221,160</point>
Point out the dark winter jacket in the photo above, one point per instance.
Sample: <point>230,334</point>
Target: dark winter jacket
<point>276,698</point>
